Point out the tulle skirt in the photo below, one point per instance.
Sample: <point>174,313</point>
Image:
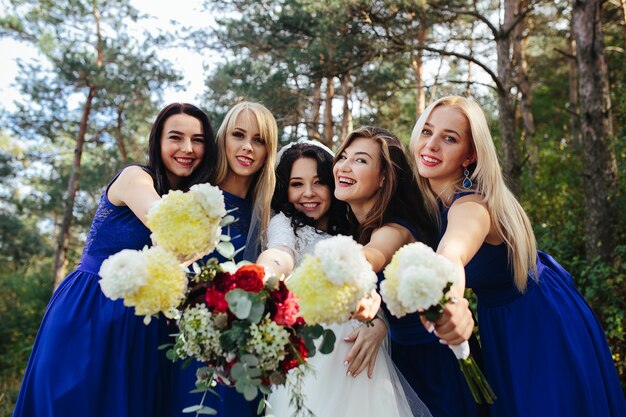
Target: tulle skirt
<point>329,392</point>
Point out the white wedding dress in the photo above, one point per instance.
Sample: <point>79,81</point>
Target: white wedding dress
<point>328,391</point>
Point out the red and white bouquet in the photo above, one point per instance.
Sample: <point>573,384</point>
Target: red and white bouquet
<point>418,279</point>
<point>243,324</point>
<point>246,327</point>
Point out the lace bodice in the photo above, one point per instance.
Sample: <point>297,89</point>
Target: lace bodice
<point>280,233</point>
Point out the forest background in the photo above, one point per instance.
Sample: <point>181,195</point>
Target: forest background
<point>551,75</point>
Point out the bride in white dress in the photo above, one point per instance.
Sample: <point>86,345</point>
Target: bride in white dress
<point>306,213</point>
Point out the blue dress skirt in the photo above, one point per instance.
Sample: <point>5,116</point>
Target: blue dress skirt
<point>430,368</point>
<point>229,402</point>
<point>544,351</point>
<point>93,356</point>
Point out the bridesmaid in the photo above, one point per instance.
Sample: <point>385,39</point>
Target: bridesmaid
<point>545,353</point>
<point>374,176</point>
<point>93,356</point>
<point>247,142</point>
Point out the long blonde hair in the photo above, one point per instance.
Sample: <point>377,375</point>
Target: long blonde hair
<point>507,215</point>
<point>262,186</point>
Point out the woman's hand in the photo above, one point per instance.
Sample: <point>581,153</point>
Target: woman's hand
<point>368,307</point>
<point>367,341</point>
<point>455,325</point>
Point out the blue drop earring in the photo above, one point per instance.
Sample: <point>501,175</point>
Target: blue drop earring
<point>467,183</point>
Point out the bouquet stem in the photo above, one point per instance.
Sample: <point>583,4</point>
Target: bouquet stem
<point>478,385</point>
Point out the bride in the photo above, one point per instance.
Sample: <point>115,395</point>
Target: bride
<point>307,212</point>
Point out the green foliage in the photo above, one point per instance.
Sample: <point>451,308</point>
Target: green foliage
<point>24,295</point>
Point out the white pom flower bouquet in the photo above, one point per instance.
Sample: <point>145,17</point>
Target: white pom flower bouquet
<point>185,226</point>
<point>330,283</point>
<point>189,224</point>
<point>418,279</point>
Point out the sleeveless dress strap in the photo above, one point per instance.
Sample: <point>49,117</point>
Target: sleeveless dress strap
<point>462,194</point>
<point>106,191</point>
<point>406,225</point>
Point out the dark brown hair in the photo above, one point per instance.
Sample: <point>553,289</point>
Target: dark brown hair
<point>399,199</point>
<point>206,169</point>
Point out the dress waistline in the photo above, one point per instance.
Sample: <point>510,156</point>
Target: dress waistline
<point>90,264</point>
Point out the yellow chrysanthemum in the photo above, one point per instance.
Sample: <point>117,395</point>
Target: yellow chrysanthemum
<point>320,300</point>
<point>165,287</point>
<point>180,224</point>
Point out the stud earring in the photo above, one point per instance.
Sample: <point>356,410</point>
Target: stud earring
<point>467,182</point>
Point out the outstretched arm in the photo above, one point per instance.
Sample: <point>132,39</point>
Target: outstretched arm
<point>469,224</point>
<point>280,260</point>
<point>385,241</point>
<point>134,188</point>
<point>280,257</point>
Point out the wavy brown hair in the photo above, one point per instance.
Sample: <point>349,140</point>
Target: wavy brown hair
<point>399,199</point>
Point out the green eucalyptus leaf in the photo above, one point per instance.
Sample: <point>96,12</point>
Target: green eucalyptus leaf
<point>226,220</point>
<point>224,238</point>
<point>256,309</point>
<point>171,355</point>
<point>328,341</point>
<point>238,371</point>
<point>250,392</point>
<point>239,303</point>
<point>193,408</point>
<point>226,249</point>
<point>249,360</point>
<point>254,373</point>
<point>263,404</point>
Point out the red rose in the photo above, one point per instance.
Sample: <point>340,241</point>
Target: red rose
<point>216,300</point>
<point>281,294</point>
<point>223,282</point>
<point>296,357</point>
<point>249,278</point>
<point>287,311</point>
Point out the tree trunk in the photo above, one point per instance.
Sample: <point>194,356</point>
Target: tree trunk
<point>573,91</point>
<point>119,137</point>
<point>313,125</point>
<point>512,165</point>
<point>417,63</point>
<point>328,112</point>
<point>60,255</point>
<point>599,161</point>
<point>520,44</point>
<point>468,83</point>
<point>346,119</point>
<point>623,8</point>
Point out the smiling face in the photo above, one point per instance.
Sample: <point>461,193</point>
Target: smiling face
<point>246,150</point>
<point>358,175</point>
<point>182,146</point>
<point>444,148</point>
<point>307,193</point>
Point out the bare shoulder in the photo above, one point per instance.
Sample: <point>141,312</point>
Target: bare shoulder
<point>471,204</point>
<point>393,231</point>
<point>130,180</point>
<point>134,173</point>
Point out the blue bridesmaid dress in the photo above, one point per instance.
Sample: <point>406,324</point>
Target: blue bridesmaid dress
<point>229,402</point>
<point>93,356</point>
<point>430,368</point>
<point>544,351</point>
